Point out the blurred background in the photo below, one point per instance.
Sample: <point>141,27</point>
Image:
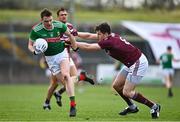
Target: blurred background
<point>18,65</point>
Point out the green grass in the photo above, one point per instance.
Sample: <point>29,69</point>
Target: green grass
<point>81,15</point>
<point>94,103</point>
<point>87,16</point>
<point>118,15</point>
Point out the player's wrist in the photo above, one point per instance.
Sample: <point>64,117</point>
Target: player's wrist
<point>75,49</point>
<point>34,52</point>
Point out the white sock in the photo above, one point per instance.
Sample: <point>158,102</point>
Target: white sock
<point>154,106</point>
<point>58,93</point>
<point>133,106</point>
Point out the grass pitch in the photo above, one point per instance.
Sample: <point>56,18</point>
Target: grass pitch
<point>84,16</point>
<point>94,103</point>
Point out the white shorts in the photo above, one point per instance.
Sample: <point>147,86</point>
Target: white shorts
<point>55,60</point>
<point>48,72</point>
<point>71,61</point>
<point>137,70</point>
<point>168,72</point>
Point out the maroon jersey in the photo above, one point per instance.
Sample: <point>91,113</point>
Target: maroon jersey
<point>65,38</point>
<point>72,30</point>
<point>120,49</point>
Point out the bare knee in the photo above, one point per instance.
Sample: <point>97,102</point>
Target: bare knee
<point>65,75</point>
<point>118,83</point>
<point>117,86</point>
<point>114,86</point>
<point>126,92</point>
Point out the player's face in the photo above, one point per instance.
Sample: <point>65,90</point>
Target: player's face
<point>63,16</point>
<point>100,35</point>
<point>169,51</point>
<point>47,22</point>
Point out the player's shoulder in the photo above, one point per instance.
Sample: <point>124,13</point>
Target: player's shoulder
<point>172,55</point>
<point>37,27</point>
<point>58,24</point>
<point>114,35</point>
<point>69,24</point>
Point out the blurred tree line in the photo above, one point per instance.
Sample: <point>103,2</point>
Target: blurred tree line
<point>30,4</point>
<point>156,4</point>
<point>133,4</point>
<point>96,4</point>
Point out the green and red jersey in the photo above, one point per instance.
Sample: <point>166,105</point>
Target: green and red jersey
<point>55,45</point>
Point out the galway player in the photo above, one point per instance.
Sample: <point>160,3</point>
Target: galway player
<point>131,74</point>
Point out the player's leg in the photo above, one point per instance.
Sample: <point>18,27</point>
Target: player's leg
<point>59,65</point>
<point>170,84</point>
<point>118,85</point>
<point>69,87</point>
<point>65,72</point>
<point>52,86</point>
<point>58,97</point>
<point>137,72</point>
<point>170,93</point>
<point>73,71</point>
<point>58,93</point>
<point>113,81</point>
<point>129,91</point>
<point>83,76</point>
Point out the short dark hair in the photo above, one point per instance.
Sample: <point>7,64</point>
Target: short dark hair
<point>61,9</point>
<point>104,28</point>
<point>169,47</point>
<point>45,13</point>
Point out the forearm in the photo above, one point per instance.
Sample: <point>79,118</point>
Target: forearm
<point>71,39</point>
<point>158,61</point>
<point>86,46</point>
<point>73,42</point>
<point>86,35</point>
<point>82,45</point>
<point>30,47</point>
<point>176,60</point>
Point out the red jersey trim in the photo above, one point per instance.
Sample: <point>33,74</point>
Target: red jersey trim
<point>55,39</point>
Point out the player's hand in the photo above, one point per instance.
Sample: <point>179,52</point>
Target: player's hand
<point>67,43</point>
<point>74,32</point>
<point>37,51</point>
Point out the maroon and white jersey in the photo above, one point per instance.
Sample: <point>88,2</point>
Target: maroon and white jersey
<point>65,38</point>
<point>72,30</point>
<point>120,49</point>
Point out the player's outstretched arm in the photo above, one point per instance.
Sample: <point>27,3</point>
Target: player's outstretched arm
<point>176,60</point>
<point>158,61</point>
<point>87,35</point>
<point>88,47</point>
<point>71,39</point>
